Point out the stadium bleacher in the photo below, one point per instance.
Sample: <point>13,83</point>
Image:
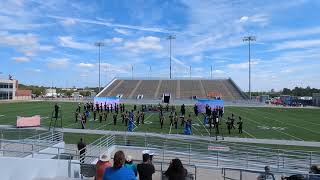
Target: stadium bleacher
<point>179,89</point>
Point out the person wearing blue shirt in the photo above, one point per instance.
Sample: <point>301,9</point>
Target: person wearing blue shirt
<point>119,171</point>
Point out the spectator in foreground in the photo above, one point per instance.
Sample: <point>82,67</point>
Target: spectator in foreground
<point>102,165</point>
<point>145,169</point>
<point>176,171</point>
<point>129,164</point>
<point>294,177</point>
<point>118,171</point>
<point>314,172</point>
<point>267,175</point>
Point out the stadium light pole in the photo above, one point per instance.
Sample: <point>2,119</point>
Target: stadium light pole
<point>149,72</point>
<point>170,38</point>
<point>211,72</point>
<point>99,44</point>
<point>249,39</point>
<point>107,73</point>
<point>132,72</point>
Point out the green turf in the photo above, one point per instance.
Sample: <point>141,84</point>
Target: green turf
<point>259,122</point>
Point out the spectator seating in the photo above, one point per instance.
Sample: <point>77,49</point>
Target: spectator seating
<point>179,89</point>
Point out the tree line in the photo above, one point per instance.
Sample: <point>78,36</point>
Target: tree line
<point>41,90</point>
<point>296,91</point>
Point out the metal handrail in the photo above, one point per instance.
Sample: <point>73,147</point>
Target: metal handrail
<point>247,156</point>
<point>97,147</point>
<point>44,153</point>
<point>40,145</point>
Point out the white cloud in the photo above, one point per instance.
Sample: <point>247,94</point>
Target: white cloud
<point>68,22</point>
<point>24,43</point>
<point>85,65</point>
<point>281,34</point>
<point>218,71</point>
<point>197,59</point>
<point>244,19</point>
<point>12,7</point>
<point>143,44</point>
<point>115,68</point>
<point>58,63</point>
<point>297,44</point>
<point>286,71</point>
<point>179,62</point>
<point>20,59</point>
<point>12,23</point>
<point>108,24</point>
<point>197,69</point>
<point>259,19</point>
<point>84,75</point>
<point>113,40</point>
<point>301,55</point>
<point>122,31</point>
<point>67,41</point>
<point>33,70</point>
<point>243,65</point>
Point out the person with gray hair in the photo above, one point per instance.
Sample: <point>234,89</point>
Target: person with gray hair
<point>102,164</point>
<point>129,164</point>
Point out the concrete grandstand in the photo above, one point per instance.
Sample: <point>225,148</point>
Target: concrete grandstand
<point>177,88</point>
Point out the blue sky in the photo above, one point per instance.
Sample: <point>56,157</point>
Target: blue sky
<point>52,42</point>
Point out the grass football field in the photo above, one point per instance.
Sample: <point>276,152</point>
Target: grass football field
<point>259,122</point>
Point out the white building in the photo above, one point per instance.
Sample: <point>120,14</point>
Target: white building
<point>51,90</point>
<point>7,89</point>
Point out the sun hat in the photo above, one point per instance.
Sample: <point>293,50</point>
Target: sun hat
<point>129,158</point>
<point>104,158</point>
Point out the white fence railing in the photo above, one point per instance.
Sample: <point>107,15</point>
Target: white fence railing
<point>222,154</point>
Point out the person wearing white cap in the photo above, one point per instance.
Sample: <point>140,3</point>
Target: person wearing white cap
<point>102,164</point>
<point>129,164</point>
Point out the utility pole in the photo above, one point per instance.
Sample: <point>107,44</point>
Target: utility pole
<point>170,38</point>
<point>99,44</point>
<point>249,39</point>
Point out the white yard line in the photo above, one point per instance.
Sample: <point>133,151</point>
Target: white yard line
<point>103,126</point>
<point>144,120</point>
<point>249,134</point>
<point>107,124</point>
<point>200,123</point>
<point>69,125</point>
<point>170,128</point>
<point>317,132</point>
<point>193,127</point>
<point>134,127</point>
<point>317,124</point>
<point>274,129</point>
<point>203,126</point>
<point>246,132</point>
